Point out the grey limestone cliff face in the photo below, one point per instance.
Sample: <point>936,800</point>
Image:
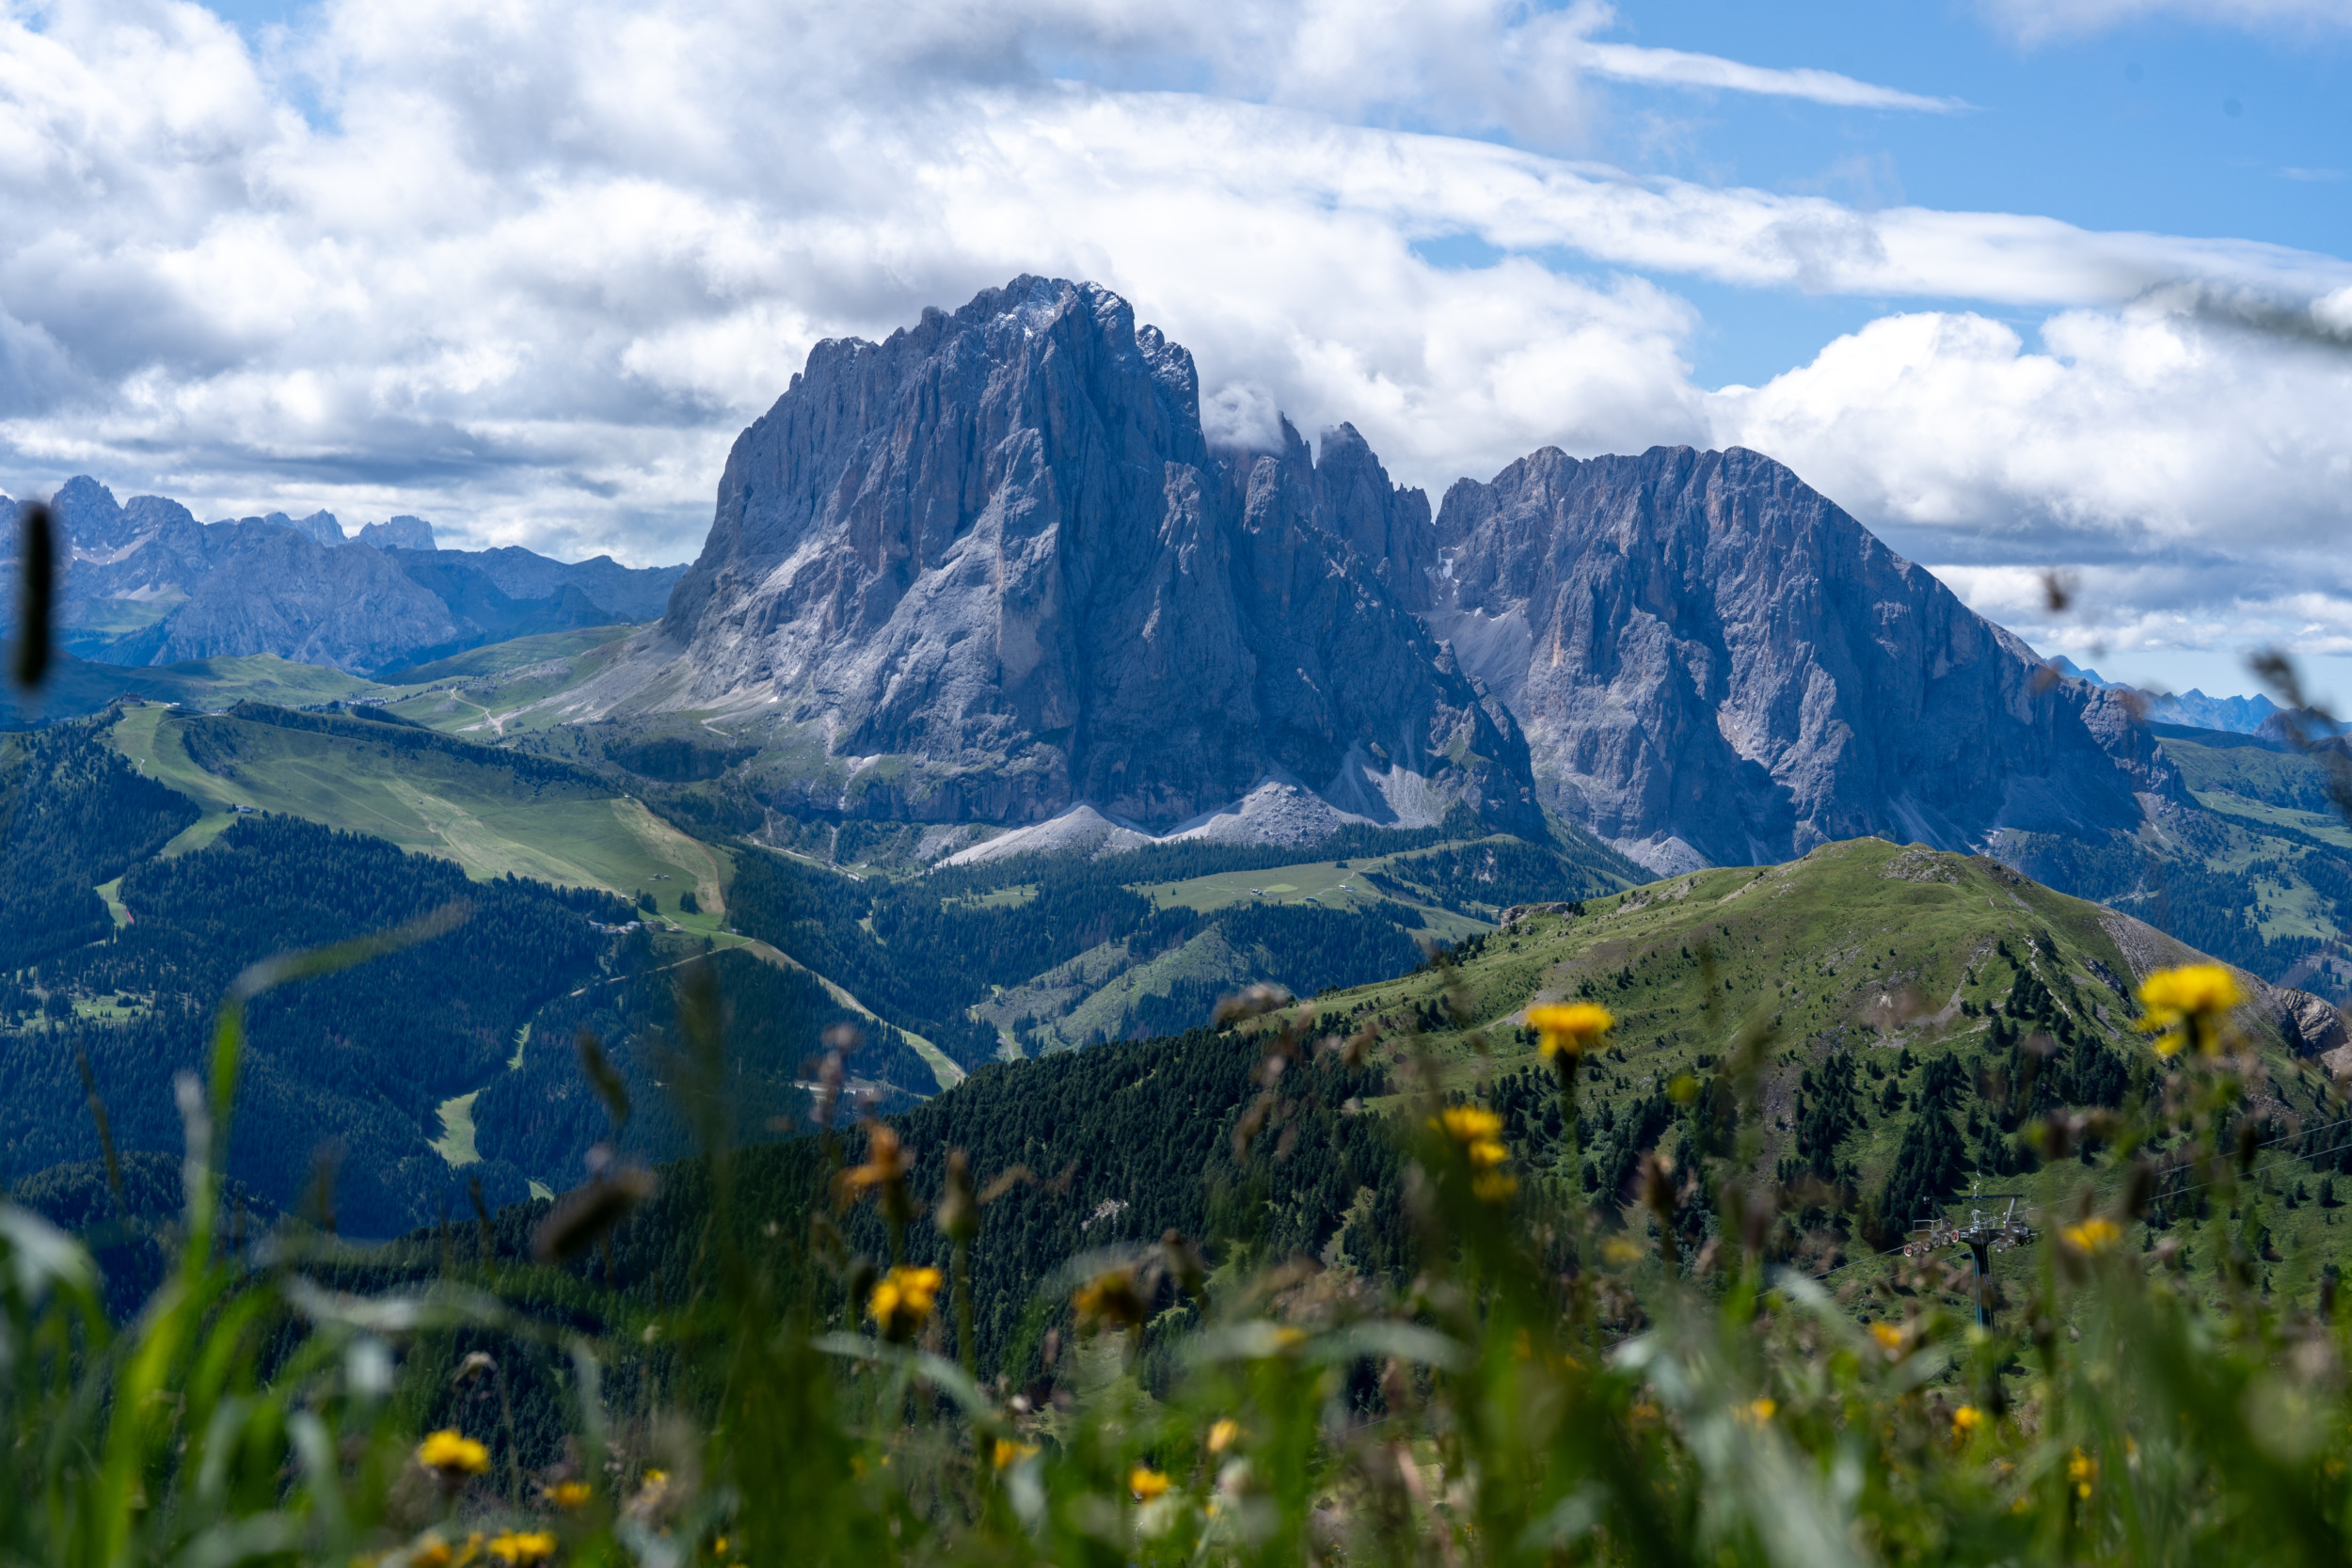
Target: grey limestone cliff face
<point>995,566</point>
<point>272,589</point>
<point>1714,663</point>
<point>403,532</point>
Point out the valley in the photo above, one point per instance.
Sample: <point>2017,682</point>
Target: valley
<point>1418,767</point>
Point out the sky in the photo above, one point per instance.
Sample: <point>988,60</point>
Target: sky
<point>2037,289</point>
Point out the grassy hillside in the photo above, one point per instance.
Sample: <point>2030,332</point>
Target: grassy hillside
<point>77,687</point>
<point>519,653</point>
<point>494,813</point>
<point>2261,876</point>
<point>1886,986</point>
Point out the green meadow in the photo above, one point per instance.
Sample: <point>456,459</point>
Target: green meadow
<point>472,811</point>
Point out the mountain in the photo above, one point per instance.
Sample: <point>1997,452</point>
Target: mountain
<point>990,571</point>
<point>147,584</point>
<point>2236,715</point>
<point>1715,665</point>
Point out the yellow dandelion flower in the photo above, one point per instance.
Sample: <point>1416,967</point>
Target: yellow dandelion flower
<point>523,1548</point>
<point>1758,1412</point>
<point>1493,1186</point>
<point>887,1163</point>
<point>1007,1453</point>
<point>430,1551</point>
<point>1468,1124</point>
<point>2095,1234</point>
<point>1146,1484</point>
<point>1966,1419</point>
<point>453,1454</point>
<point>2082,1470</point>
<point>1221,1434</point>
<point>1890,1338</point>
<point>902,1300</point>
<point>2194,995</point>
<point>568,1494</point>
<point>1573,1028</point>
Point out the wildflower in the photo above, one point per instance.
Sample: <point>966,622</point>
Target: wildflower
<point>1616,1249</point>
<point>1146,1484</point>
<point>2194,995</point>
<point>1890,1338</point>
<point>1571,1029</point>
<point>901,1301</point>
<point>1110,1298</point>
<point>1966,1419</point>
<point>2095,1234</point>
<point>430,1551</point>
<point>886,1162</point>
<point>1476,1130</point>
<point>1007,1453</point>
<point>1468,1124</point>
<point>523,1548</point>
<point>1493,1186</point>
<point>1221,1434</point>
<point>1756,1413</point>
<point>568,1494</point>
<point>2082,1470</point>
<point>452,1456</point>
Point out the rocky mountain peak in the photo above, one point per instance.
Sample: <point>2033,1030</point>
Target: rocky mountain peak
<point>1715,663</point>
<point>400,533</point>
<point>993,564</point>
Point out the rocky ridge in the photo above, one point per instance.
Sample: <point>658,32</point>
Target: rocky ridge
<point>990,571</point>
<point>1716,665</point>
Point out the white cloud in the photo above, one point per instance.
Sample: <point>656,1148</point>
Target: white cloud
<point>1625,62</point>
<point>527,269</point>
<point>2193,472</point>
<point>2033,21</point>
<point>2136,430</point>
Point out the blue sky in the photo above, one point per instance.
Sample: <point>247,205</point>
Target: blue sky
<point>1979,271</point>
<point>2127,128</point>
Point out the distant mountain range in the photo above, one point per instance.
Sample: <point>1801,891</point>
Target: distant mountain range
<point>992,572</point>
<point>2235,715</point>
<point>147,584</point>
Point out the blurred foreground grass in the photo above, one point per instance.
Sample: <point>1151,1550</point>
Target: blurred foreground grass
<point>1551,1386</point>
